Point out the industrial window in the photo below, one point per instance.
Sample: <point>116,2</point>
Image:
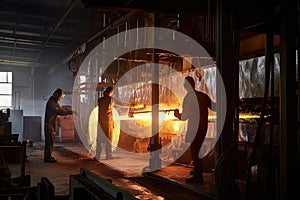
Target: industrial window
<point>5,90</point>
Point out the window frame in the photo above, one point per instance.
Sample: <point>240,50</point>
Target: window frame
<point>6,96</point>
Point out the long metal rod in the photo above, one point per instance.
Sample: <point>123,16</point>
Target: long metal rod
<point>132,113</point>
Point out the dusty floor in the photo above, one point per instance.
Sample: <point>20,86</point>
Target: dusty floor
<point>122,170</point>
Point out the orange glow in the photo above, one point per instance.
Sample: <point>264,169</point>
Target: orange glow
<point>93,129</point>
<point>144,118</point>
<point>168,124</point>
<point>176,127</point>
<point>248,116</point>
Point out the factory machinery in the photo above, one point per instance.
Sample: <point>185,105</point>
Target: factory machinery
<point>12,151</point>
<point>83,185</point>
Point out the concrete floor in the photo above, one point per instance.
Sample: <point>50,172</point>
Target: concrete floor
<point>123,170</point>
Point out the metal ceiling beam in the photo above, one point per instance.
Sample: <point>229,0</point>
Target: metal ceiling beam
<point>29,43</point>
<point>19,63</point>
<point>178,6</point>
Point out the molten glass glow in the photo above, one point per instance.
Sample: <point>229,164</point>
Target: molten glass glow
<point>248,116</point>
<point>140,125</point>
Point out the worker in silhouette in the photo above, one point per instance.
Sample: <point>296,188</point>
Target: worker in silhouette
<point>195,109</point>
<point>106,124</point>
<point>50,124</point>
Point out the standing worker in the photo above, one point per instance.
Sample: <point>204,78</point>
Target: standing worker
<point>197,123</point>
<point>106,124</point>
<point>50,126</point>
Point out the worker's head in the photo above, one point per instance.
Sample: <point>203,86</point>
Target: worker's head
<point>58,94</point>
<point>108,91</point>
<point>189,83</point>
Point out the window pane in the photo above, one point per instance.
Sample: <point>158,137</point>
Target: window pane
<point>9,77</point>
<point>5,88</point>
<point>5,101</point>
<point>3,77</point>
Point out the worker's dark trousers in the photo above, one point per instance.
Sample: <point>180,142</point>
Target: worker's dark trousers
<point>49,142</point>
<point>197,161</point>
<point>104,140</point>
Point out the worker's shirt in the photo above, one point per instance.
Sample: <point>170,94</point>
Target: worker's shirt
<point>52,110</point>
<point>105,117</point>
<point>195,110</point>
